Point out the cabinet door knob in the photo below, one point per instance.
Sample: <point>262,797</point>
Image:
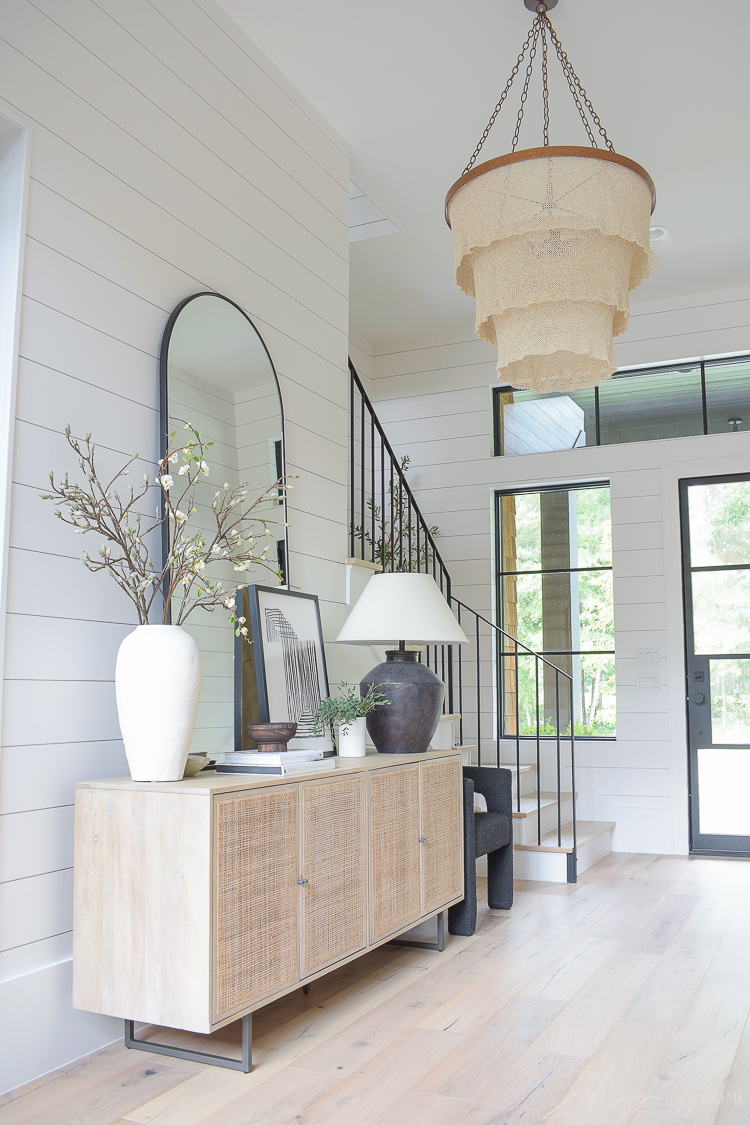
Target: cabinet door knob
<point>301,881</point>
<point>422,839</point>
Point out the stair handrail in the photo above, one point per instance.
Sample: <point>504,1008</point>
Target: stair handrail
<point>444,655</point>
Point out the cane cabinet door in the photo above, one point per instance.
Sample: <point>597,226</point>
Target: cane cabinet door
<point>256,931</point>
<point>394,849</point>
<point>441,811</point>
<point>333,870</point>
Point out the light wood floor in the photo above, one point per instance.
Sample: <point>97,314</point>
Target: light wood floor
<point>623,998</point>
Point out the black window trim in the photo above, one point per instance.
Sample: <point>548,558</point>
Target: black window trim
<point>659,369</point>
<point>533,489</point>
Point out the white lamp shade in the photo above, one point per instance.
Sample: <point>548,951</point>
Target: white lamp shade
<point>401,607</point>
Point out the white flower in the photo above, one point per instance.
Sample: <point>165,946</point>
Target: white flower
<point>204,468</point>
<point>173,458</point>
<point>179,516</point>
<point>183,470</point>
<point>166,481</point>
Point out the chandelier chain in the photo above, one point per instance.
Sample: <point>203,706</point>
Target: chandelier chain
<point>503,96</point>
<point>545,88</point>
<point>525,91</point>
<point>540,27</point>
<point>570,73</point>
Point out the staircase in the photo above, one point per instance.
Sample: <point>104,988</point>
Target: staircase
<point>388,532</point>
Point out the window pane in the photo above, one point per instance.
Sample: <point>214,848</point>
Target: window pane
<point>728,397</point>
<point>730,700</point>
<point>719,523</point>
<point>528,589</point>
<point>723,785</point>
<point>643,407</point>
<point>555,530</point>
<point>593,527</point>
<point>594,688</point>
<point>532,423</point>
<point>593,691</point>
<point>522,544</point>
<point>595,627</point>
<point>721,611</point>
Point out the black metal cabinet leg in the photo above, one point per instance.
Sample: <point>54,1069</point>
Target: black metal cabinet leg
<point>245,1064</point>
<point>438,945</point>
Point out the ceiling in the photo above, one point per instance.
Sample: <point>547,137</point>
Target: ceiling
<point>410,84</point>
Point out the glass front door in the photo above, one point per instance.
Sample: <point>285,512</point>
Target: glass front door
<point>715,514</point>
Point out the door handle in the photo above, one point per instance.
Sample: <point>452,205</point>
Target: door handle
<point>422,839</point>
<point>301,881</point>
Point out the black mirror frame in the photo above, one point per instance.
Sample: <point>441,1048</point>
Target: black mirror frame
<point>164,410</point>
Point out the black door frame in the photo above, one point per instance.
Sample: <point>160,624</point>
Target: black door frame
<point>698,688</point>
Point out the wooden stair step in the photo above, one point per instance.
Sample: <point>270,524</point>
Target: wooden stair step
<point>529,803</point>
<point>587,830</point>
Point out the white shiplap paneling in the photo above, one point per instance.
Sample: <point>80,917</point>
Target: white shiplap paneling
<point>435,400</point>
<point>168,157</point>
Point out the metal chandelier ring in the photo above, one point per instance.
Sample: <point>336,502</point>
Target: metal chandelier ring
<point>550,150</point>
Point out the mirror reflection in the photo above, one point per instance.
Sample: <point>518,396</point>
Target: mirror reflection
<point>218,377</point>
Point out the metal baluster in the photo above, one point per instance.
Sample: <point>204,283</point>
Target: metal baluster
<point>381,560</point>
<point>372,485</point>
<point>450,649</point>
<point>479,697</point>
<point>557,718</point>
<point>538,762</point>
<point>518,735</point>
<point>400,523</point>
<point>499,684</point>
<point>460,686</point>
<point>393,546</point>
<point>352,521</point>
<point>362,476</point>
<point>408,532</point>
<point>574,872</point>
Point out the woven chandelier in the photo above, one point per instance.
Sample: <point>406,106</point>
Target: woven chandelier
<point>551,240</point>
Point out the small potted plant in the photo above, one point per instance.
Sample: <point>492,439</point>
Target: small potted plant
<point>345,715</point>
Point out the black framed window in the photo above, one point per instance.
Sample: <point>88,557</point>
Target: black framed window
<point>554,594</point>
<point>678,400</point>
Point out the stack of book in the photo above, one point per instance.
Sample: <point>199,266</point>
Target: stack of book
<point>284,764</point>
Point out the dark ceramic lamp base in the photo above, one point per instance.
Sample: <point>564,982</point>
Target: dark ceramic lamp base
<point>416,699</point>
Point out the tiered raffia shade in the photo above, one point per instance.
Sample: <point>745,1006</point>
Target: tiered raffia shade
<point>550,245</point>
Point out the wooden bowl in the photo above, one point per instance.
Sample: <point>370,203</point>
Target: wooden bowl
<point>271,736</point>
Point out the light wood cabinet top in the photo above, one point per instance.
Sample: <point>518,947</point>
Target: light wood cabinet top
<point>206,782</point>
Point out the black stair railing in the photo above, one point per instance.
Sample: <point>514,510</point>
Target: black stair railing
<point>484,680</point>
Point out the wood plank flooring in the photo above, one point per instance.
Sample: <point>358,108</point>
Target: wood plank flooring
<point>621,999</point>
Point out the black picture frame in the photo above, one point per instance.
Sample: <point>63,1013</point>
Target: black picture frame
<point>259,693</point>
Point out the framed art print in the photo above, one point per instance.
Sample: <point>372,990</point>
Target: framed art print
<point>280,676</point>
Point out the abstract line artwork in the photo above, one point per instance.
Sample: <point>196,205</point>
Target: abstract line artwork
<point>300,660</point>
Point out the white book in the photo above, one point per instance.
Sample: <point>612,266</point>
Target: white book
<point>267,757</point>
<point>287,769</point>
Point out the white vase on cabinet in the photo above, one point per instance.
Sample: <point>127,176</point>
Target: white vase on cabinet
<point>157,684</point>
<point>350,739</point>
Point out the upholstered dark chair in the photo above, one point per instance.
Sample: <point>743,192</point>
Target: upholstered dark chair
<point>486,833</point>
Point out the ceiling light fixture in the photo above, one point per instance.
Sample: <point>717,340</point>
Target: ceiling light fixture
<point>551,240</point>
<point>657,233</point>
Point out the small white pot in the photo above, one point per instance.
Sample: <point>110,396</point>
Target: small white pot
<point>157,683</point>
<point>350,739</point>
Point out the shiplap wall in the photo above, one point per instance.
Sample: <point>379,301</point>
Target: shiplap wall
<point>434,398</point>
<point>168,157</point>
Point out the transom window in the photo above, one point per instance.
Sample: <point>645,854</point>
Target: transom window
<point>680,400</point>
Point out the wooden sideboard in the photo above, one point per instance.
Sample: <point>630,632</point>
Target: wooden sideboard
<point>198,901</point>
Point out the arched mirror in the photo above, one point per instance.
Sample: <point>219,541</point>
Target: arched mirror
<point>217,375</point>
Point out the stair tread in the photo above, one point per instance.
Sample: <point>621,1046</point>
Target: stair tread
<point>587,830</point>
<point>529,803</point>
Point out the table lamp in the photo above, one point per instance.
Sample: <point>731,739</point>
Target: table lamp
<point>403,609</point>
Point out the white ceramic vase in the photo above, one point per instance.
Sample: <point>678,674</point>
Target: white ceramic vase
<point>350,739</point>
<point>157,683</point>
